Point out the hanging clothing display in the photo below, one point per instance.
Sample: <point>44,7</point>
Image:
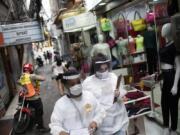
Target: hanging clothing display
<point>139,43</point>
<point>122,47</point>
<point>132,45</point>
<point>151,50</point>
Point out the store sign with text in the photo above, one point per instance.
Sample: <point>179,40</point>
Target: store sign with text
<point>20,33</point>
<point>90,4</point>
<point>79,21</point>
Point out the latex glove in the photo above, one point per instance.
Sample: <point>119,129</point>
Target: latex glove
<point>174,91</point>
<point>63,133</point>
<point>116,93</point>
<point>92,127</point>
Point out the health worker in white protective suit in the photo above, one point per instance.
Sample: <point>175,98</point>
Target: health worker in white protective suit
<point>77,113</point>
<point>103,86</point>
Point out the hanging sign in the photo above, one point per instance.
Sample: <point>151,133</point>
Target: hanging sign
<point>20,33</point>
<point>79,22</point>
<point>90,4</point>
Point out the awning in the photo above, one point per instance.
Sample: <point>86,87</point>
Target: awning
<point>80,29</point>
<point>84,21</point>
<point>65,13</point>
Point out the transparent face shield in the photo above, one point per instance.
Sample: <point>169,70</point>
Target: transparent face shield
<point>102,69</point>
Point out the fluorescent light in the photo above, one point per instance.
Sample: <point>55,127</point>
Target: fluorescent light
<point>102,4</point>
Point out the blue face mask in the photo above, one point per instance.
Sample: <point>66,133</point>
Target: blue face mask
<point>102,75</point>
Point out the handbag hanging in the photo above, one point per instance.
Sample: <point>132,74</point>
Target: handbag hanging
<point>105,24</point>
<point>138,24</point>
<point>150,16</point>
<point>122,25</point>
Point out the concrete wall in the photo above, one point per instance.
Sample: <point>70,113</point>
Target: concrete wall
<point>3,12</point>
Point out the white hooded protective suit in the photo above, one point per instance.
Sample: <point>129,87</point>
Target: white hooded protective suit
<point>65,116</point>
<point>116,117</point>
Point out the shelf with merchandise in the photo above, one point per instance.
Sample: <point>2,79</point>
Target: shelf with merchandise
<point>136,100</point>
<point>139,115</point>
<point>138,103</point>
<point>136,53</point>
<point>137,63</point>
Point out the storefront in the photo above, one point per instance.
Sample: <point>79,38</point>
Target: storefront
<point>136,29</point>
<point>81,32</point>
<point>4,88</point>
<point>15,49</point>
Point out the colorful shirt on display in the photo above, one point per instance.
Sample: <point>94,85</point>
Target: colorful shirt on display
<point>139,44</point>
<point>168,54</point>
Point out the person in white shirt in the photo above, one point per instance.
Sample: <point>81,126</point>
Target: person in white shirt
<point>58,69</point>
<point>103,86</point>
<point>78,111</point>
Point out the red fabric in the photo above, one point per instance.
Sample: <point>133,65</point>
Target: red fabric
<point>133,33</point>
<point>85,68</point>
<point>161,10</point>
<point>135,95</point>
<point>1,39</point>
<point>111,43</point>
<point>132,46</point>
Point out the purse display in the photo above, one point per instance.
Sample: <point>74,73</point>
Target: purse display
<point>105,24</point>
<point>138,24</point>
<point>120,24</point>
<point>150,16</point>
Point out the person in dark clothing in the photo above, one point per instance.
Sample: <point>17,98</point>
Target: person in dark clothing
<point>45,57</point>
<point>49,57</point>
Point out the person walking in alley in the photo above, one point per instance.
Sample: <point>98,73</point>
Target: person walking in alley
<point>103,86</point>
<point>45,57</point>
<point>49,57</point>
<point>58,70</point>
<point>31,84</point>
<point>78,111</point>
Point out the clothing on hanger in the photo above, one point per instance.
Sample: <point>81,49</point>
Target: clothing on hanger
<point>139,43</point>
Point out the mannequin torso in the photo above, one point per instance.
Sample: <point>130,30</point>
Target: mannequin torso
<point>122,46</point>
<point>139,43</point>
<point>167,55</point>
<point>169,51</point>
<point>101,47</point>
<point>132,45</point>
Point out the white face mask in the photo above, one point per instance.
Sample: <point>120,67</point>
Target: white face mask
<point>76,89</point>
<point>103,75</point>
